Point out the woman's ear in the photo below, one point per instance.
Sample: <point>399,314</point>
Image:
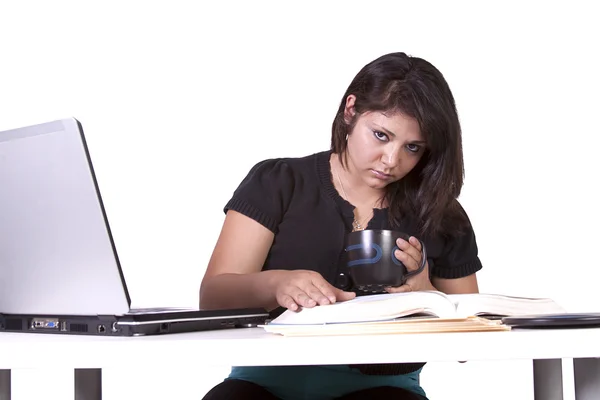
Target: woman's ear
<point>349,111</point>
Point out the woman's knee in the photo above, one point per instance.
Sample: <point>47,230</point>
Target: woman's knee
<point>238,389</point>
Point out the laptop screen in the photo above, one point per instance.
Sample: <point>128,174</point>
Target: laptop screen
<point>56,252</point>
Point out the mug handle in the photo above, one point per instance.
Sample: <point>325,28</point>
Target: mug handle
<point>423,260</point>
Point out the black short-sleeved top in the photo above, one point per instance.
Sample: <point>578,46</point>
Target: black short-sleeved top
<point>296,200</point>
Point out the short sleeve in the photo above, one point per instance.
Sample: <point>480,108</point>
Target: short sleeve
<point>460,255</point>
<point>264,194</point>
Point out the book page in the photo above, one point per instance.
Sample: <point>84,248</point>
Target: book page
<point>379,307</point>
<point>495,304</point>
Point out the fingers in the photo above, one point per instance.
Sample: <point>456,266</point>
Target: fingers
<point>310,294</point>
<point>400,289</point>
<point>325,290</point>
<point>317,296</point>
<point>409,253</point>
<point>288,302</point>
<point>309,289</point>
<point>332,293</point>
<point>343,295</point>
<point>293,298</point>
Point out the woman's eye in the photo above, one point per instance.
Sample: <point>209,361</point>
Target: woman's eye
<point>413,148</point>
<point>380,135</point>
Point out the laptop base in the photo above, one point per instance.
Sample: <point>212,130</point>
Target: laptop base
<point>134,324</point>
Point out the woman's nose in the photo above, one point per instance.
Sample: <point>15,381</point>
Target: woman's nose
<point>390,157</point>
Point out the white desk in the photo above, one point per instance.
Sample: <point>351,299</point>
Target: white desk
<point>37,360</point>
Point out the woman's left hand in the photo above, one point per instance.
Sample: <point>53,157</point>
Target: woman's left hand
<point>410,255</point>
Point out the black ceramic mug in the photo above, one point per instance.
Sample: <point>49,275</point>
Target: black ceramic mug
<point>371,263</point>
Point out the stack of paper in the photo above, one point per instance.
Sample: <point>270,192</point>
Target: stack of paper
<point>399,326</point>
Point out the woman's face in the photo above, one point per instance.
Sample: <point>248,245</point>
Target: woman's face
<point>383,148</point>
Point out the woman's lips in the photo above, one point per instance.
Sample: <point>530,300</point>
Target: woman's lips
<point>381,175</point>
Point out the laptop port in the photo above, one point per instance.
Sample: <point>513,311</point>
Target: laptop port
<point>44,323</point>
<point>101,328</point>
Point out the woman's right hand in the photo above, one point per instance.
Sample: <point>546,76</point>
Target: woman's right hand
<point>304,288</point>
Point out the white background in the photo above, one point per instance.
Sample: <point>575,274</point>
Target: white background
<point>179,99</point>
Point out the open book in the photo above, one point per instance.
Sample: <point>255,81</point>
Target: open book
<point>391,306</point>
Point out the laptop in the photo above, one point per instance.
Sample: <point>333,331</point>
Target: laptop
<point>59,268</point>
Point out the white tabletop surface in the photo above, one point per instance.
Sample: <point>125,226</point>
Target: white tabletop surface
<point>254,346</point>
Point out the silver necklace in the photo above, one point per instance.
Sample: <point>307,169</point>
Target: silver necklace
<point>356,225</point>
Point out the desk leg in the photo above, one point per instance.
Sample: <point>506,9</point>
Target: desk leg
<point>553,380</point>
<point>587,378</point>
<point>88,384</point>
<point>4,384</point>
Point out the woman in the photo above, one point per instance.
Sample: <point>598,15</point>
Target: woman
<point>395,163</point>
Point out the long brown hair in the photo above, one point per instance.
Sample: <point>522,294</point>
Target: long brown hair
<point>413,86</point>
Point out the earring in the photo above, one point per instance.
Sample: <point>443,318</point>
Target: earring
<point>346,137</point>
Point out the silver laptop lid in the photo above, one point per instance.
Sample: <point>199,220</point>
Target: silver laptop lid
<point>57,255</point>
